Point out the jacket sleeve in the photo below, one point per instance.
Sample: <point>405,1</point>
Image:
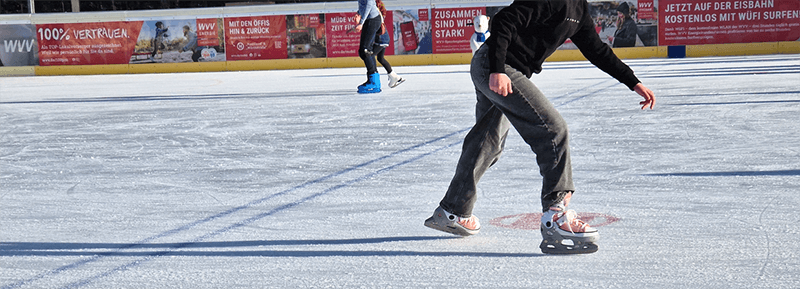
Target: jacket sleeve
<point>599,54</point>
<point>504,27</point>
<point>365,9</point>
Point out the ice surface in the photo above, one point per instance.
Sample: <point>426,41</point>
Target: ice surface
<point>290,179</point>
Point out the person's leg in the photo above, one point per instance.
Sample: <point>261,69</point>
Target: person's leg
<point>481,149</point>
<point>380,52</point>
<point>368,31</point>
<point>543,128</point>
<point>539,124</point>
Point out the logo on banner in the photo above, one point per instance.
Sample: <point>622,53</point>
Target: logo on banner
<point>19,45</point>
<point>208,53</point>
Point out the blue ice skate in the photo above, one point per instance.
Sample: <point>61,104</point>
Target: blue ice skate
<point>373,84</point>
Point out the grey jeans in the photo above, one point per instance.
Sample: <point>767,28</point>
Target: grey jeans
<point>536,120</point>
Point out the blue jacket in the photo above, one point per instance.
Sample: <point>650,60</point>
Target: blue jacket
<point>368,9</point>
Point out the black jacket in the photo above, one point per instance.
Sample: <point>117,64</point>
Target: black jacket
<point>525,33</point>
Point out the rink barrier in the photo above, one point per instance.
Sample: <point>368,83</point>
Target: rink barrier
<point>790,47</point>
<point>396,60</point>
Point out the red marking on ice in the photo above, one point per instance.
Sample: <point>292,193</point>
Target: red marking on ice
<point>530,221</point>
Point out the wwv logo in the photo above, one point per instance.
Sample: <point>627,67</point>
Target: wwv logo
<point>19,45</point>
<point>206,26</point>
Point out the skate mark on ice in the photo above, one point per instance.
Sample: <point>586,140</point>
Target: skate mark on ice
<point>727,71</point>
<point>185,97</point>
<point>581,94</point>
<point>738,102</point>
<point>766,236</point>
<point>730,174</point>
<point>237,209</point>
<point>47,247</point>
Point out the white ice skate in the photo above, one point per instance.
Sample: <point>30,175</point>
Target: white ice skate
<point>453,224</point>
<point>564,233</point>
<point>395,80</point>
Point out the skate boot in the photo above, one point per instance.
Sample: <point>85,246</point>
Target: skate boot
<point>395,80</point>
<point>564,233</point>
<point>373,84</point>
<point>453,224</point>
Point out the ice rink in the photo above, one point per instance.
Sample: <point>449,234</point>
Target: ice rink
<point>290,179</point>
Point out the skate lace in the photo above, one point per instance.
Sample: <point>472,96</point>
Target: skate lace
<point>570,219</point>
<point>471,223</point>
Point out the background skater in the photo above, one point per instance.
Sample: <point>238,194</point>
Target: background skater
<point>523,35</point>
<point>379,48</point>
<point>369,23</point>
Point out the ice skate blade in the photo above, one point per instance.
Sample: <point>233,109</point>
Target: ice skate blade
<point>558,248</point>
<point>454,229</point>
<point>398,83</point>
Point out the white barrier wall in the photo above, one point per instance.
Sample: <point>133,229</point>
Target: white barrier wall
<point>316,34</point>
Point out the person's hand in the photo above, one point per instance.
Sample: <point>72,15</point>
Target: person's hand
<point>500,83</point>
<point>359,27</point>
<point>649,96</point>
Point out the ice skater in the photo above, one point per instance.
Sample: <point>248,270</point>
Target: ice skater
<point>379,48</point>
<point>369,23</point>
<point>523,35</point>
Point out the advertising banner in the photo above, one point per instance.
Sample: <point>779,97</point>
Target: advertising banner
<point>209,31</point>
<point>389,50</point>
<point>256,37</point>
<point>18,45</point>
<point>451,32</point>
<point>412,31</point>
<point>86,43</point>
<point>175,41</point>
<point>646,10</point>
<point>306,36</point>
<point>688,22</point>
<point>342,40</point>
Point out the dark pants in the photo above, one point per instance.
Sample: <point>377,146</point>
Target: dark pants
<point>536,120</point>
<point>196,53</point>
<point>380,52</point>
<point>371,26</point>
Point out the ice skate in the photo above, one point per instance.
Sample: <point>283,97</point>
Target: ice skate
<point>373,84</point>
<point>446,222</point>
<point>564,233</point>
<point>395,80</point>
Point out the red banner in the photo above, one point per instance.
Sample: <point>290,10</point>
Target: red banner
<point>87,43</point>
<point>689,22</point>
<point>256,37</point>
<point>207,32</point>
<point>451,33</point>
<point>389,29</point>
<point>340,42</point>
<point>646,10</point>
